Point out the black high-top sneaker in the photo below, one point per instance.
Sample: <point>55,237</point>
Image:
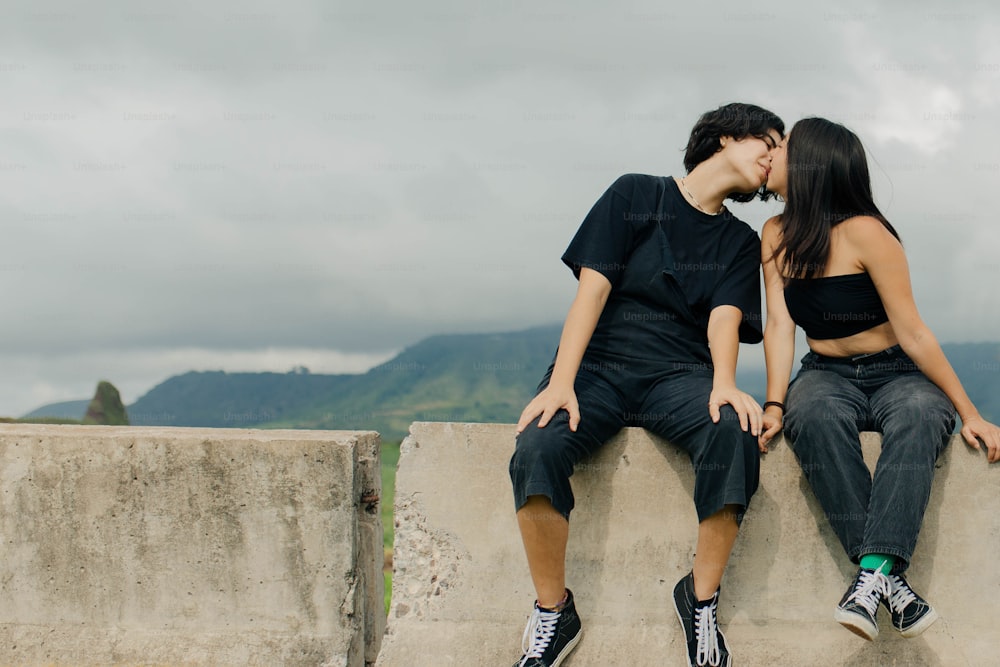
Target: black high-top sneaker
<point>550,636</point>
<point>911,614</point>
<point>706,645</point>
<point>858,608</point>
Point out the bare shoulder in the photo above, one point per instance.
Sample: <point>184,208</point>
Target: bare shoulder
<point>770,238</point>
<point>771,232</point>
<point>865,229</point>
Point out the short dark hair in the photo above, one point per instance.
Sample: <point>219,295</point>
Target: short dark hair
<point>736,120</point>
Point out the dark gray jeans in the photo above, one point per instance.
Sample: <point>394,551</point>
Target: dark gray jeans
<point>830,401</point>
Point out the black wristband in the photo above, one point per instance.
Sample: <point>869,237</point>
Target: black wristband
<point>775,403</point>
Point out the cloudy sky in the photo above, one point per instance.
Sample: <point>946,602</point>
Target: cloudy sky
<point>260,185</point>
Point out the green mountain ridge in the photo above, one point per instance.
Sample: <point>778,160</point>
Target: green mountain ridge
<point>456,377</point>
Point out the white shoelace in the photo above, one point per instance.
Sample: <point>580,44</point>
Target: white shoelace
<point>871,587</point>
<point>538,633</point>
<point>708,641</point>
<point>900,595</point>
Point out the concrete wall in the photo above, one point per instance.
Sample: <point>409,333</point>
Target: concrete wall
<point>462,593</point>
<point>189,546</point>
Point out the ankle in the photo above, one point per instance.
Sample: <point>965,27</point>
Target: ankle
<point>558,606</point>
<point>704,592</point>
<point>876,561</point>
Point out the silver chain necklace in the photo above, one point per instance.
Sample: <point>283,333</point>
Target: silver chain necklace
<point>698,203</point>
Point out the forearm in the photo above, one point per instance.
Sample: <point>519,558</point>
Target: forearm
<point>923,348</point>
<point>779,355</point>
<point>724,344</point>
<point>581,321</point>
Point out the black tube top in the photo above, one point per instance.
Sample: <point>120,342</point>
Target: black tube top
<point>836,306</point>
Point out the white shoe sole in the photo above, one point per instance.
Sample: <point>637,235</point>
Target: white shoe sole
<point>856,624</point>
<point>921,625</point>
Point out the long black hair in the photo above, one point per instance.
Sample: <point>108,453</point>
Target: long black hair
<point>736,120</point>
<point>828,182</point>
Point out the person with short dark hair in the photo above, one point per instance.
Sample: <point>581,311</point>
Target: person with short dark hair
<point>668,287</point>
<point>834,265</point>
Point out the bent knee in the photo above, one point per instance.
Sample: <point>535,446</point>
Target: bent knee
<point>537,450</point>
<point>729,420</point>
<point>921,410</point>
<point>730,430</point>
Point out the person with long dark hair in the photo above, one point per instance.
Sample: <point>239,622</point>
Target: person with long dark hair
<point>668,287</point>
<point>835,266</point>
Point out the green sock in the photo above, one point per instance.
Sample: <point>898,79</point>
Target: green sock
<point>877,561</point>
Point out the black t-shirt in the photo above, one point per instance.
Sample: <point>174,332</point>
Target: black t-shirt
<point>669,265</point>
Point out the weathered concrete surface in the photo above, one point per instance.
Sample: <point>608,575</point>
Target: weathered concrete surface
<point>189,546</point>
<point>462,593</point>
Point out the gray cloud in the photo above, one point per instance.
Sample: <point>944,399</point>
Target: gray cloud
<point>240,177</point>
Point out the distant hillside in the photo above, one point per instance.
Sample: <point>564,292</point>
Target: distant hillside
<point>104,408</point>
<point>471,377</point>
<point>232,400</point>
<point>475,377</point>
<point>63,410</point>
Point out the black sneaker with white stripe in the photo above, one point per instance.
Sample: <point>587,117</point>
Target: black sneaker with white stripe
<point>911,614</point>
<point>858,608</point>
<point>550,636</point>
<point>706,645</point>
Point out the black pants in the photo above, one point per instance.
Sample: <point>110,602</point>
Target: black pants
<point>670,401</point>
